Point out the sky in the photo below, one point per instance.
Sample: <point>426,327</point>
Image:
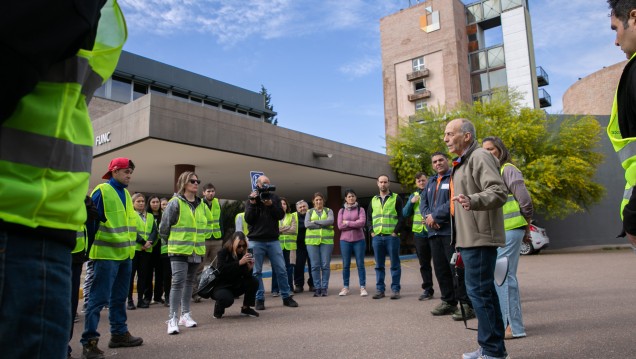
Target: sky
<point>321,60</point>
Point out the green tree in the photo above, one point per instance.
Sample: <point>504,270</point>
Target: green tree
<point>229,210</point>
<point>268,105</point>
<point>557,156</point>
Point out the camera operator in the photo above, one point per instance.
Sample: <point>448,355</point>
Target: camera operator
<point>263,210</point>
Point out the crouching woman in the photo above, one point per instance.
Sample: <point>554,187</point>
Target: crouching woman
<point>235,279</point>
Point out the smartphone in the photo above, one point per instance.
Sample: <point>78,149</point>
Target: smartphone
<point>251,251</point>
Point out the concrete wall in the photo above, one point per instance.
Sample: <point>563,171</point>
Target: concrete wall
<point>593,94</point>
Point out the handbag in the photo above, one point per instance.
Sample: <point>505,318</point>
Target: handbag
<point>209,277</point>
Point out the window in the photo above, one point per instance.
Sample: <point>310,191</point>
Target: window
<point>419,86</point>
<point>420,105</point>
<point>121,89</point>
<point>179,95</point>
<point>139,90</point>
<point>210,103</point>
<point>418,64</point>
<point>159,90</point>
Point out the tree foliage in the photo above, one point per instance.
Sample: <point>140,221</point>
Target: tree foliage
<point>268,105</point>
<point>557,156</point>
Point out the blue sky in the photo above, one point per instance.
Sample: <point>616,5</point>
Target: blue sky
<point>321,61</point>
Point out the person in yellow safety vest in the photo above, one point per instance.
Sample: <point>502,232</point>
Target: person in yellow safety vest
<point>385,221</point>
<point>214,240</point>
<point>240,224</point>
<point>319,240</point>
<point>517,211</point>
<point>54,57</point>
<point>621,129</point>
<point>156,270</point>
<point>184,227</point>
<point>146,238</point>
<point>422,245</point>
<point>111,251</point>
<point>288,228</point>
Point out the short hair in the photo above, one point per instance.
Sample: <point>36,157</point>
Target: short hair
<point>317,194</point>
<point>283,199</point>
<point>468,127</point>
<point>137,195</point>
<point>208,186</point>
<point>420,174</point>
<point>438,153</point>
<point>383,175</point>
<point>301,202</point>
<point>183,180</point>
<point>504,154</point>
<point>621,8</point>
<point>163,199</point>
<point>349,190</point>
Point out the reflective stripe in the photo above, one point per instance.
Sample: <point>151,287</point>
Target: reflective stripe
<point>181,243</point>
<point>182,229</point>
<point>512,215</point>
<point>75,69</point>
<point>628,193</point>
<point>44,151</point>
<point>113,244</point>
<point>626,152</point>
<point>116,230</point>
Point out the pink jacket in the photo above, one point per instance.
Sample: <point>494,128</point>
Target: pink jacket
<point>352,230</point>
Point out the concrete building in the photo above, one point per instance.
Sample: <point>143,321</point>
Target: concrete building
<point>441,52</point>
<point>593,94</point>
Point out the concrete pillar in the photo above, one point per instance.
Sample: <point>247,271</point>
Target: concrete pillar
<point>334,202</point>
<point>178,170</point>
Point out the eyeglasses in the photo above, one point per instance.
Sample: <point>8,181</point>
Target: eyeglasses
<point>241,246</point>
<point>193,181</point>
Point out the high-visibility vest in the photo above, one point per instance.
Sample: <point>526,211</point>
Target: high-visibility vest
<point>215,216</point>
<point>244,227</point>
<point>144,229</point>
<point>315,237</point>
<point>187,236</point>
<point>288,241</point>
<point>385,218</point>
<point>625,148</point>
<point>418,226</point>
<point>115,238</point>
<point>81,240</point>
<point>511,210</point>
<point>44,183</point>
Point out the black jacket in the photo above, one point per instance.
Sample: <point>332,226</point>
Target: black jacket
<point>263,220</point>
<point>232,274</point>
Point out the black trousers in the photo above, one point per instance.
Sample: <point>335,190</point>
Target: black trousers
<point>299,269</point>
<point>140,266</point>
<point>225,296</point>
<point>155,269</point>
<point>442,251</point>
<point>423,250</point>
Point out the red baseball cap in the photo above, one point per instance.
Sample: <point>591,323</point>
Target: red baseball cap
<point>117,164</point>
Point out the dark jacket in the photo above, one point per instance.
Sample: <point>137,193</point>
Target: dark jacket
<point>438,205</point>
<point>263,220</point>
<point>232,274</point>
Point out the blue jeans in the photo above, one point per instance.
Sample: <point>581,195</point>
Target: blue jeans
<point>320,257</point>
<point>357,248</point>
<point>479,263</point>
<point>111,280</point>
<point>509,299</point>
<point>35,296</point>
<point>290,272</point>
<point>383,245</point>
<point>275,254</point>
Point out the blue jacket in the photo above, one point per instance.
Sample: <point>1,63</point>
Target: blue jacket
<point>437,206</point>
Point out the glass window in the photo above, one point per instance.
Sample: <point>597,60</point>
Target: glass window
<point>474,14</point>
<point>478,61</point>
<point>121,89</point>
<point>418,64</point>
<point>496,57</point>
<point>179,95</point>
<point>498,78</point>
<point>195,99</point>
<point>420,105</point>
<point>419,86</point>
<point>480,82</point>
<point>210,103</point>
<point>159,90</point>
<point>101,91</point>
<point>228,108</point>
<point>509,4</point>
<point>492,8</point>
<point>139,90</point>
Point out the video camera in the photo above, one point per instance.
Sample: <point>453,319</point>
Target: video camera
<point>264,193</point>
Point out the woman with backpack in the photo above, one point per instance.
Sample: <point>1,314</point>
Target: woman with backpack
<point>351,221</point>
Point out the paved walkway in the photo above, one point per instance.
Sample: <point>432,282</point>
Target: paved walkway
<point>575,305</point>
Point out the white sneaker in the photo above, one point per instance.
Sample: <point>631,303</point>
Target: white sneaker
<point>173,325</point>
<point>363,292</point>
<point>344,292</point>
<point>186,320</point>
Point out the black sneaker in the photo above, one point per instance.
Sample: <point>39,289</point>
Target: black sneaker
<point>218,311</point>
<point>290,302</point>
<point>131,306</point>
<point>124,340</point>
<point>378,295</point>
<point>143,304</point>
<point>91,351</point>
<point>260,305</point>
<point>249,312</point>
<point>428,294</point>
<point>298,289</point>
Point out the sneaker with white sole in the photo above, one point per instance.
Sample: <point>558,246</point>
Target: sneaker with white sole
<point>472,355</point>
<point>344,292</point>
<point>187,320</point>
<point>363,292</point>
<point>173,324</point>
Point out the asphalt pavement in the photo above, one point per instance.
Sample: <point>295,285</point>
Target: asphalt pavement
<point>575,305</point>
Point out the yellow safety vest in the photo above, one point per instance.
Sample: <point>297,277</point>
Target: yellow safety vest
<point>315,237</point>
<point>288,241</point>
<point>418,226</point>
<point>187,236</point>
<point>215,216</point>
<point>115,238</point>
<point>45,183</point>
<point>81,240</point>
<point>244,226</point>
<point>625,148</point>
<point>511,210</point>
<point>385,218</point>
<point>144,229</point>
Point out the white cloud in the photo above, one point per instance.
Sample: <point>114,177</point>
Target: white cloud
<point>361,67</point>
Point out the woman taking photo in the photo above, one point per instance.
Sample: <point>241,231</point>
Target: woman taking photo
<point>235,279</point>
<point>351,220</point>
<point>319,241</point>
<point>517,212</point>
<point>184,228</point>
<point>288,229</point>
<point>146,237</point>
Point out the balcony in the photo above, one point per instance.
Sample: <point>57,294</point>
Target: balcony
<point>420,95</point>
<point>544,98</point>
<point>542,77</point>
<point>417,75</point>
